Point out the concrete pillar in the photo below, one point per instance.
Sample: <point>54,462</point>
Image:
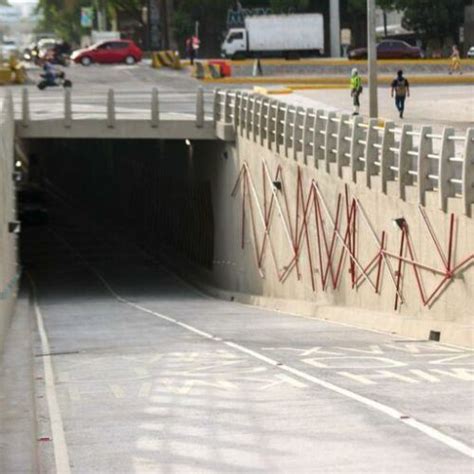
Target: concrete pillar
<point>67,108</point>
<point>248,116</point>
<point>155,108</point>
<point>330,140</point>
<point>200,107</point>
<point>357,147</point>
<point>371,153</point>
<point>257,110</point>
<point>262,122</point>
<point>308,124</point>
<point>244,102</point>
<point>272,118</point>
<point>424,149</point>
<point>318,137</point>
<point>111,109</point>
<point>297,133</point>
<point>343,144</point>
<point>387,156</point>
<point>25,108</point>
<point>335,28</point>
<point>404,160</point>
<point>279,125</point>
<point>446,168</point>
<point>286,130</point>
<point>236,109</point>
<point>468,173</point>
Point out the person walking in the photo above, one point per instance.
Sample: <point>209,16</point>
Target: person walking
<point>356,90</point>
<point>401,88</point>
<point>455,60</point>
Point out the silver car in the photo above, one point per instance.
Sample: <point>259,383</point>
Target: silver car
<point>470,53</point>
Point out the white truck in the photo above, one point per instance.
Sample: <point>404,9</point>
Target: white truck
<point>291,35</point>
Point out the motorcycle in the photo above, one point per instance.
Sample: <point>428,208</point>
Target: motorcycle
<point>58,81</point>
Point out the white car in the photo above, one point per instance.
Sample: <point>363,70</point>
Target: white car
<point>470,53</point>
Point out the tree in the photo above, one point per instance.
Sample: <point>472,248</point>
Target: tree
<point>434,21</point>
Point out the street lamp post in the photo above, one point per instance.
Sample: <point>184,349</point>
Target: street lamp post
<point>335,28</point>
<point>372,59</point>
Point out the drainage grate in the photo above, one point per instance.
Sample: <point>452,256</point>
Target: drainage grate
<point>435,336</point>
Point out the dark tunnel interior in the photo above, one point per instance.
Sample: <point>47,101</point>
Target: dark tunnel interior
<point>141,192</point>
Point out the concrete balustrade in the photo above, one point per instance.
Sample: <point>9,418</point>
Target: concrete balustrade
<point>441,163</point>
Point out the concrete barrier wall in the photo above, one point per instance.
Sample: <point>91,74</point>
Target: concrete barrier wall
<point>324,240</point>
<point>8,241</point>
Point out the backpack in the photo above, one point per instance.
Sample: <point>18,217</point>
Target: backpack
<point>401,87</point>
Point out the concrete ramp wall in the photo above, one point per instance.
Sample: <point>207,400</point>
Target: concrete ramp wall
<point>317,237</point>
<point>8,243</point>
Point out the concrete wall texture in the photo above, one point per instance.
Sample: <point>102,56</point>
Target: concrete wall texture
<point>314,238</point>
<point>8,242</point>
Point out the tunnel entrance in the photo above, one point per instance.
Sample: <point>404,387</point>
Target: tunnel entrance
<point>143,192</point>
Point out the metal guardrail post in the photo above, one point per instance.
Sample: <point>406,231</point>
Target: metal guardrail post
<point>67,108</point>
<point>318,137</point>
<point>446,168</point>
<point>25,108</point>
<point>468,172</point>
<point>387,159</point>
<point>155,108</point>
<point>357,147</point>
<point>404,161</point>
<point>200,107</point>
<point>306,136</point>
<point>371,152</point>
<point>330,140</point>
<point>343,143</point>
<point>424,149</point>
<point>111,109</point>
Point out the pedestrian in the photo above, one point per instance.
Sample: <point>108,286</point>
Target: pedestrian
<point>356,90</point>
<point>401,87</point>
<point>455,60</point>
<point>190,51</point>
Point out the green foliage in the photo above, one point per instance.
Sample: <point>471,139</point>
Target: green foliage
<point>433,20</point>
<point>285,6</point>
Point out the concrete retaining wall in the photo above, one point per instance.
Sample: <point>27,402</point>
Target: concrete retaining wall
<point>8,241</point>
<point>407,278</point>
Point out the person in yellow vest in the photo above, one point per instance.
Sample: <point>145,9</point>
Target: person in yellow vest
<point>455,61</point>
<point>356,90</point>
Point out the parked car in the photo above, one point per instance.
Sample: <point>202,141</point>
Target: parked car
<point>389,49</point>
<point>109,52</point>
<point>470,53</point>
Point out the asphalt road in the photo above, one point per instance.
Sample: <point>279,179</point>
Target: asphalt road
<point>137,372</point>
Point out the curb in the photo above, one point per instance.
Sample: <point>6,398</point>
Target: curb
<point>339,80</point>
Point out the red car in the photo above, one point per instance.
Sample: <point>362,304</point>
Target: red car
<point>109,52</point>
<point>389,49</point>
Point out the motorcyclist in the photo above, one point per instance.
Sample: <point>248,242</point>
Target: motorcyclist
<point>49,73</point>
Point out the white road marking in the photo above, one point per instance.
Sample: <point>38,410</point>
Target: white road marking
<point>385,409</point>
<point>61,456</point>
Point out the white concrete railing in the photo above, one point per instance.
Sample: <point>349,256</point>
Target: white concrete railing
<point>432,162</point>
<point>111,112</point>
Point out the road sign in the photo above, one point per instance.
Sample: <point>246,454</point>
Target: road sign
<point>87,17</point>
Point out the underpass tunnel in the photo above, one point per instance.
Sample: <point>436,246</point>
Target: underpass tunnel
<point>145,193</point>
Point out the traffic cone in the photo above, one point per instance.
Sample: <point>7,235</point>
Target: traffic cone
<point>257,68</point>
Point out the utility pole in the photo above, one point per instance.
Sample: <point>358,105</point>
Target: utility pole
<point>335,28</point>
<point>372,59</point>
